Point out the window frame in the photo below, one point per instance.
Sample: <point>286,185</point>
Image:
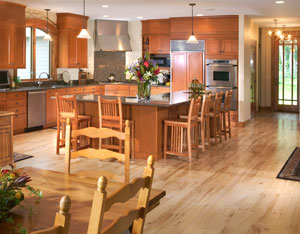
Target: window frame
<point>42,25</point>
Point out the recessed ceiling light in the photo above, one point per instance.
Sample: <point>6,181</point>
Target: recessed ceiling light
<point>279,2</point>
<point>105,16</point>
<point>199,14</point>
<point>105,6</point>
<point>140,17</point>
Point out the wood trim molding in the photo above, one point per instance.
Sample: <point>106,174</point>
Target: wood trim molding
<point>42,24</point>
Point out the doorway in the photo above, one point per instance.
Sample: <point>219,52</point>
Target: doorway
<point>253,77</point>
<point>286,75</point>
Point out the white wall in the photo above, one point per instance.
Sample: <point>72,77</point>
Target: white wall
<point>135,34</point>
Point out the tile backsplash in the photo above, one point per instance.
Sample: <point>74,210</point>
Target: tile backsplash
<point>107,62</point>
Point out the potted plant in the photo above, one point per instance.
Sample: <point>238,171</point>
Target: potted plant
<point>144,71</point>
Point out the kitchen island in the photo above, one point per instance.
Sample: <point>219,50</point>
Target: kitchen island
<point>148,118</point>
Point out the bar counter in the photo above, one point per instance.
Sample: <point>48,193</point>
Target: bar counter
<point>148,118</point>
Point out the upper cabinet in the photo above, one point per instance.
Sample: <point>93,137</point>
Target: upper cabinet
<point>159,44</point>
<point>72,51</point>
<point>221,48</point>
<point>13,36</point>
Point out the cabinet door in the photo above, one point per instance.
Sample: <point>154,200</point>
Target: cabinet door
<point>164,44</point>
<point>194,66</point>
<point>154,45</point>
<point>18,47</point>
<point>179,73</point>
<point>82,48</point>
<point>213,47</point>
<point>4,46</point>
<point>72,49</point>
<point>230,47</point>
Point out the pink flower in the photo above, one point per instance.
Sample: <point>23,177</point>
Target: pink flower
<point>146,64</point>
<point>5,171</point>
<point>156,72</point>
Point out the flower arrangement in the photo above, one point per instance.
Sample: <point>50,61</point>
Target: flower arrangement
<point>11,194</point>
<point>144,71</point>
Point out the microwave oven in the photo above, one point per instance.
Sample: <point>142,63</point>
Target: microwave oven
<point>4,78</point>
<point>162,60</point>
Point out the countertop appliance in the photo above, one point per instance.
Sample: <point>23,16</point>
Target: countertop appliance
<point>221,75</point>
<point>36,111</point>
<point>4,78</point>
<point>162,60</point>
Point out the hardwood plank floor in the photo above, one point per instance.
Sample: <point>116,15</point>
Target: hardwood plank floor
<point>232,188</point>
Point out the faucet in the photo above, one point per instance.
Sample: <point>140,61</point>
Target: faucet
<point>41,82</point>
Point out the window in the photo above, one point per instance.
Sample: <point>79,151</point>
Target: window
<point>38,54</point>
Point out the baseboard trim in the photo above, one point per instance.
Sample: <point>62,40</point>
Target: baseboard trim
<point>267,108</point>
<point>243,124</point>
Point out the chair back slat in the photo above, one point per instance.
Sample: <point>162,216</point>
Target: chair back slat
<point>205,106</point>
<point>67,106</point>
<point>126,192</point>
<point>194,109</point>
<point>136,216</point>
<point>102,154</point>
<point>98,153</point>
<point>93,132</point>
<point>227,101</point>
<point>218,102</point>
<point>110,110</point>
<point>62,219</point>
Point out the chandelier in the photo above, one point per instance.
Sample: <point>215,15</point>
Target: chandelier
<point>282,35</point>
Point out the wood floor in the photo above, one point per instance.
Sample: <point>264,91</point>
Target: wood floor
<point>232,188</point>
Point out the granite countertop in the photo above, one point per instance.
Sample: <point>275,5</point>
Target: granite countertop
<point>159,100</point>
<point>47,87</point>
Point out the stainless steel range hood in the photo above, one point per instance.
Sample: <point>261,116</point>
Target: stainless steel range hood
<point>111,35</point>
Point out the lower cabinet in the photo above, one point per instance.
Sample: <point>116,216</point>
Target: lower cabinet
<point>6,139</point>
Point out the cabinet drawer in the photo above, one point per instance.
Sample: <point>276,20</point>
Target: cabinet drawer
<point>53,92</point>
<point>89,89</point>
<point>5,121</point>
<point>20,121</point>
<point>2,96</point>
<point>116,87</point>
<point>74,90</point>
<point>18,110</point>
<point>16,103</point>
<point>16,95</point>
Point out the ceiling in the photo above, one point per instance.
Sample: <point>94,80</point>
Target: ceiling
<point>262,11</point>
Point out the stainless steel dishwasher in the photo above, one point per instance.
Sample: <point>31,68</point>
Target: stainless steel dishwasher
<point>36,109</point>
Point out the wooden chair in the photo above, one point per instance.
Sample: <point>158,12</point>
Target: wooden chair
<point>67,107</point>
<point>215,118</point>
<point>111,116</point>
<point>204,124</point>
<point>135,216</point>
<point>62,219</point>
<point>100,133</point>
<point>226,128</point>
<point>183,133</point>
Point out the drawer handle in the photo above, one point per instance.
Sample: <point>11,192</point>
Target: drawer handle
<point>17,103</point>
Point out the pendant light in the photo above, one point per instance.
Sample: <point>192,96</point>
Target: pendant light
<point>47,36</point>
<point>192,39</point>
<point>84,33</point>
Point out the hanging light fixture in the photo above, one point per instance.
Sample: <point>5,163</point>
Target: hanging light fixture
<point>84,33</point>
<point>277,32</point>
<point>47,37</point>
<point>192,38</point>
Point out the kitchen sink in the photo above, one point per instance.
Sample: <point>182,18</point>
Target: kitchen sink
<point>55,86</point>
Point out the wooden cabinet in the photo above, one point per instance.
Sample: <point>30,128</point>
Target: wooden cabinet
<point>6,138</point>
<point>221,48</point>
<point>159,44</point>
<point>13,36</point>
<point>116,90</point>
<point>72,51</point>
<point>159,90</point>
<point>185,67</point>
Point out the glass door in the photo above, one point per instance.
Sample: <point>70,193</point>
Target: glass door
<point>287,92</point>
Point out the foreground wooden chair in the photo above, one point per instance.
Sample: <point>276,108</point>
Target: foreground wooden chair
<point>137,216</point>
<point>100,133</point>
<point>67,107</point>
<point>215,118</point>
<point>226,128</point>
<point>183,133</point>
<point>111,116</point>
<point>62,219</point>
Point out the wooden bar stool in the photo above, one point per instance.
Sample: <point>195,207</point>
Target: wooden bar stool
<point>204,124</point>
<point>67,107</point>
<point>183,133</point>
<point>226,128</point>
<point>111,116</point>
<point>215,118</point>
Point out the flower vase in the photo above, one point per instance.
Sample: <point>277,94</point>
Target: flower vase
<point>144,91</point>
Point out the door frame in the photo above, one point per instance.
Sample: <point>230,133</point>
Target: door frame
<point>275,74</point>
